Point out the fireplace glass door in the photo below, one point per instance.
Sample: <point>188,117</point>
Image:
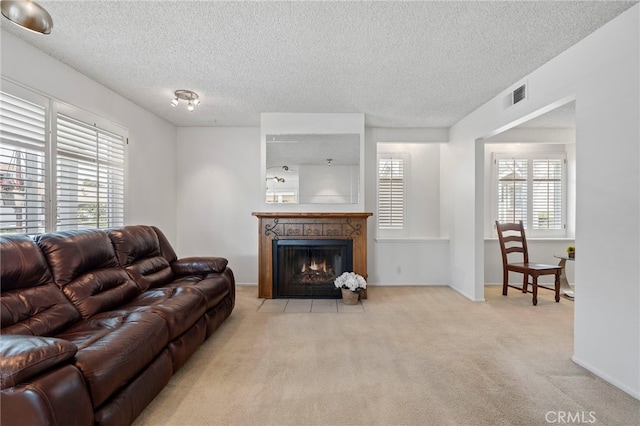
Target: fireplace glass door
<point>308,268</point>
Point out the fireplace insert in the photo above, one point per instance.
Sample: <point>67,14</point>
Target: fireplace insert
<point>307,268</point>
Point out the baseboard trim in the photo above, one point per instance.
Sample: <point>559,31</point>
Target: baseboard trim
<point>633,392</point>
<point>467,295</point>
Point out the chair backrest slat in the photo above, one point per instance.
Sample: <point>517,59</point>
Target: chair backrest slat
<point>512,243</point>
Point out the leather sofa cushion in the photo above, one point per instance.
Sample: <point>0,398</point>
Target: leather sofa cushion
<point>23,357</point>
<point>30,303</point>
<point>134,242</point>
<point>114,347</point>
<point>22,264</point>
<point>138,251</point>
<point>199,265</point>
<point>38,311</point>
<point>84,265</point>
<point>101,290</point>
<point>214,288</point>
<point>180,307</point>
<point>71,254</point>
<point>150,272</point>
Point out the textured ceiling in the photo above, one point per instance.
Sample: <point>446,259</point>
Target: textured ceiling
<point>403,64</point>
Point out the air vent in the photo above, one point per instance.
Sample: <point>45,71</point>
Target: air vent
<point>519,94</point>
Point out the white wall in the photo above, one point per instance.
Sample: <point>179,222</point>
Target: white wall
<point>602,74</point>
<point>219,186</point>
<point>324,184</point>
<point>151,151</point>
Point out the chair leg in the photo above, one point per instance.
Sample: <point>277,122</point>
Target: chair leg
<point>505,282</point>
<point>557,286</point>
<point>535,290</point>
<point>525,282</point>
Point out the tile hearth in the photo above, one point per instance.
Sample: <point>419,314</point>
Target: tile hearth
<point>309,306</point>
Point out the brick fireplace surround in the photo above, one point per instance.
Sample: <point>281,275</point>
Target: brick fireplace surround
<point>307,226</point>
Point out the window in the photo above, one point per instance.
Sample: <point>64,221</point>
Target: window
<point>391,194</point>
<point>90,176</point>
<point>73,179</point>
<point>530,188</point>
<point>22,165</point>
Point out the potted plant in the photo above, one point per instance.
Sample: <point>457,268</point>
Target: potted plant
<point>350,283</point>
<point>571,251</point>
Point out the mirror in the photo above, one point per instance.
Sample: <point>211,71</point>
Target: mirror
<point>312,168</point>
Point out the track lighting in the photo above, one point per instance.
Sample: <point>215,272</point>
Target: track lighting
<point>192,98</point>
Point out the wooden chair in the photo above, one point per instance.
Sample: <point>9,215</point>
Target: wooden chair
<point>515,241</point>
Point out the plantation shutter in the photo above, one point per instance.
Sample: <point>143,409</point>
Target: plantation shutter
<point>22,166</point>
<point>90,176</point>
<point>391,193</point>
<point>547,194</point>
<point>512,190</point>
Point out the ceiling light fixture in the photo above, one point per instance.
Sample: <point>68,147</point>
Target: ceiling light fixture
<point>28,14</point>
<point>329,160</point>
<point>192,98</point>
<point>276,179</point>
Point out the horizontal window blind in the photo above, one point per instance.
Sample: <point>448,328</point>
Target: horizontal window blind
<point>547,194</point>
<point>22,166</point>
<point>90,176</point>
<point>512,190</point>
<point>391,193</point>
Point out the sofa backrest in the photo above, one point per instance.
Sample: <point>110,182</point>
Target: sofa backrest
<point>165,247</point>
<point>140,252</point>
<point>84,265</point>
<point>31,303</point>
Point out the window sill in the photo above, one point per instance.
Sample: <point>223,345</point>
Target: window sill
<point>411,240</point>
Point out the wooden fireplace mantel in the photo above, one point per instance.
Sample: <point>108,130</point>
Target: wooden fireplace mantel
<point>295,225</point>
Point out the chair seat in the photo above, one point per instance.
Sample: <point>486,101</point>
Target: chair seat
<point>538,267</point>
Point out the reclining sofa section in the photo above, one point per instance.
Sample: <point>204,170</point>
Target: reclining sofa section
<point>95,322</point>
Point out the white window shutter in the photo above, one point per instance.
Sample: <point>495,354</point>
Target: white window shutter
<point>22,166</point>
<point>547,194</point>
<point>391,194</point>
<point>90,176</point>
<point>512,190</point>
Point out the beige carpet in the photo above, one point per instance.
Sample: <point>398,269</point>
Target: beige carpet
<point>411,356</point>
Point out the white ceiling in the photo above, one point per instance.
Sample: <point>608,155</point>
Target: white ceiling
<point>403,64</point>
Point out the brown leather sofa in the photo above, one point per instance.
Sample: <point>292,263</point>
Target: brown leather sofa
<point>95,323</point>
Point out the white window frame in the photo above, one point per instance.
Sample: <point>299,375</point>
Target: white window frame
<point>530,157</point>
<point>394,232</point>
<point>52,109</point>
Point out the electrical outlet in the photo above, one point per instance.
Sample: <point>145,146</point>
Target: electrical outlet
<point>398,270</point>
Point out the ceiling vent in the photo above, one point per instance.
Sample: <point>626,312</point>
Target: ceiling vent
<point>520,94</point>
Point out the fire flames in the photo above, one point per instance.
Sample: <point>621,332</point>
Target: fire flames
<point>315,266</point>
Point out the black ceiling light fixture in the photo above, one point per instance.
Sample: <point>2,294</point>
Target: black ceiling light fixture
<point>28,14</point>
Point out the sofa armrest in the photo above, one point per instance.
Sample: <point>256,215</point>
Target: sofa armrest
<point>23,357</point>
<point>199,265</point>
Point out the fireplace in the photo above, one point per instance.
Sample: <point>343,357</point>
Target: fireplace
<point>307,268</point>
<point>338,228</point>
